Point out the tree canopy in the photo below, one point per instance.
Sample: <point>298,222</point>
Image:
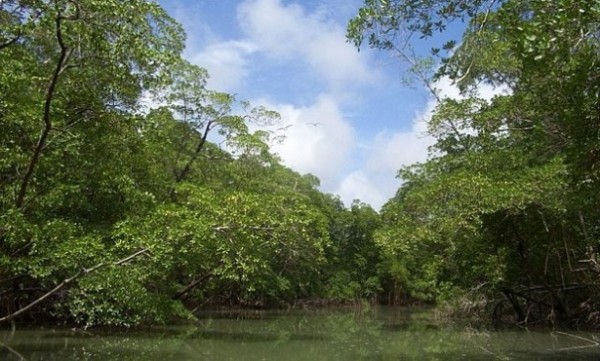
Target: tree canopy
<point>131,194</point>
<point>507,204</point>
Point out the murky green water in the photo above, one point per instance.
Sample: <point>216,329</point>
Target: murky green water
<point>381,334</point>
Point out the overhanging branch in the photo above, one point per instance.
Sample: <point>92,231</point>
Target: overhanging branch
<point>67,282</point>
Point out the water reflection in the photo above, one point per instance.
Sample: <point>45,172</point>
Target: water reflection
<point>377,334</point>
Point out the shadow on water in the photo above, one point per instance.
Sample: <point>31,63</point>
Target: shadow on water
<point>239,315</point>
<point>379,334</point>
<point>257,337</point>
<point>398,327</point>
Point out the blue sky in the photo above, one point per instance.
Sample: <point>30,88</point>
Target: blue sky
<point>352,122</point>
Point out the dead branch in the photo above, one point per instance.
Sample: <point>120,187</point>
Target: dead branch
<point>591,342</point>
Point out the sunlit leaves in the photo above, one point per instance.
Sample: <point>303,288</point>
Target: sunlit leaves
<point>388,24</point>
<point>264,245</point>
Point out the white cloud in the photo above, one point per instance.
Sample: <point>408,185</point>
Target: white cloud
<point>392,151</point>
<point>388,152</point>
<point>227,63</point>
<point>447,89</point>
<point>358,185</point>
<point>288,32</point>
<point>318,139</point>
<point>375,181</point>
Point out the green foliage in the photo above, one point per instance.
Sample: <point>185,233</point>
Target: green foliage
<point>113,214</point>
<point>74,67</point>
<point>266,247</point>
<point>508,202</point>
<point>382,21</point>
<point>118,297</point>
<point>354,254</point>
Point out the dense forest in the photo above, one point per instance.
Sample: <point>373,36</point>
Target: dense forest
<point>131,194</point>
<point>505,213</point>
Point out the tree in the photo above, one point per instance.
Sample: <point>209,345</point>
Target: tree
<point>507,198</point>
<point>108,51</point>
<point>354,256</point>
<point>73,73</point>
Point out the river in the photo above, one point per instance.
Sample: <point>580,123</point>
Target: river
<point>376,334</point>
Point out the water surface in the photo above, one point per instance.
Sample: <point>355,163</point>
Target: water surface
<point>376,334</point>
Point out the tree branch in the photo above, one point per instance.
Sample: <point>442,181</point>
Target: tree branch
<point>191,286</point>
<point>481,27</point>
<point>67,282</point>
<point>61,66</point>
<point>10,42</point>
<point>188,166</point>
<point>184,172</point>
